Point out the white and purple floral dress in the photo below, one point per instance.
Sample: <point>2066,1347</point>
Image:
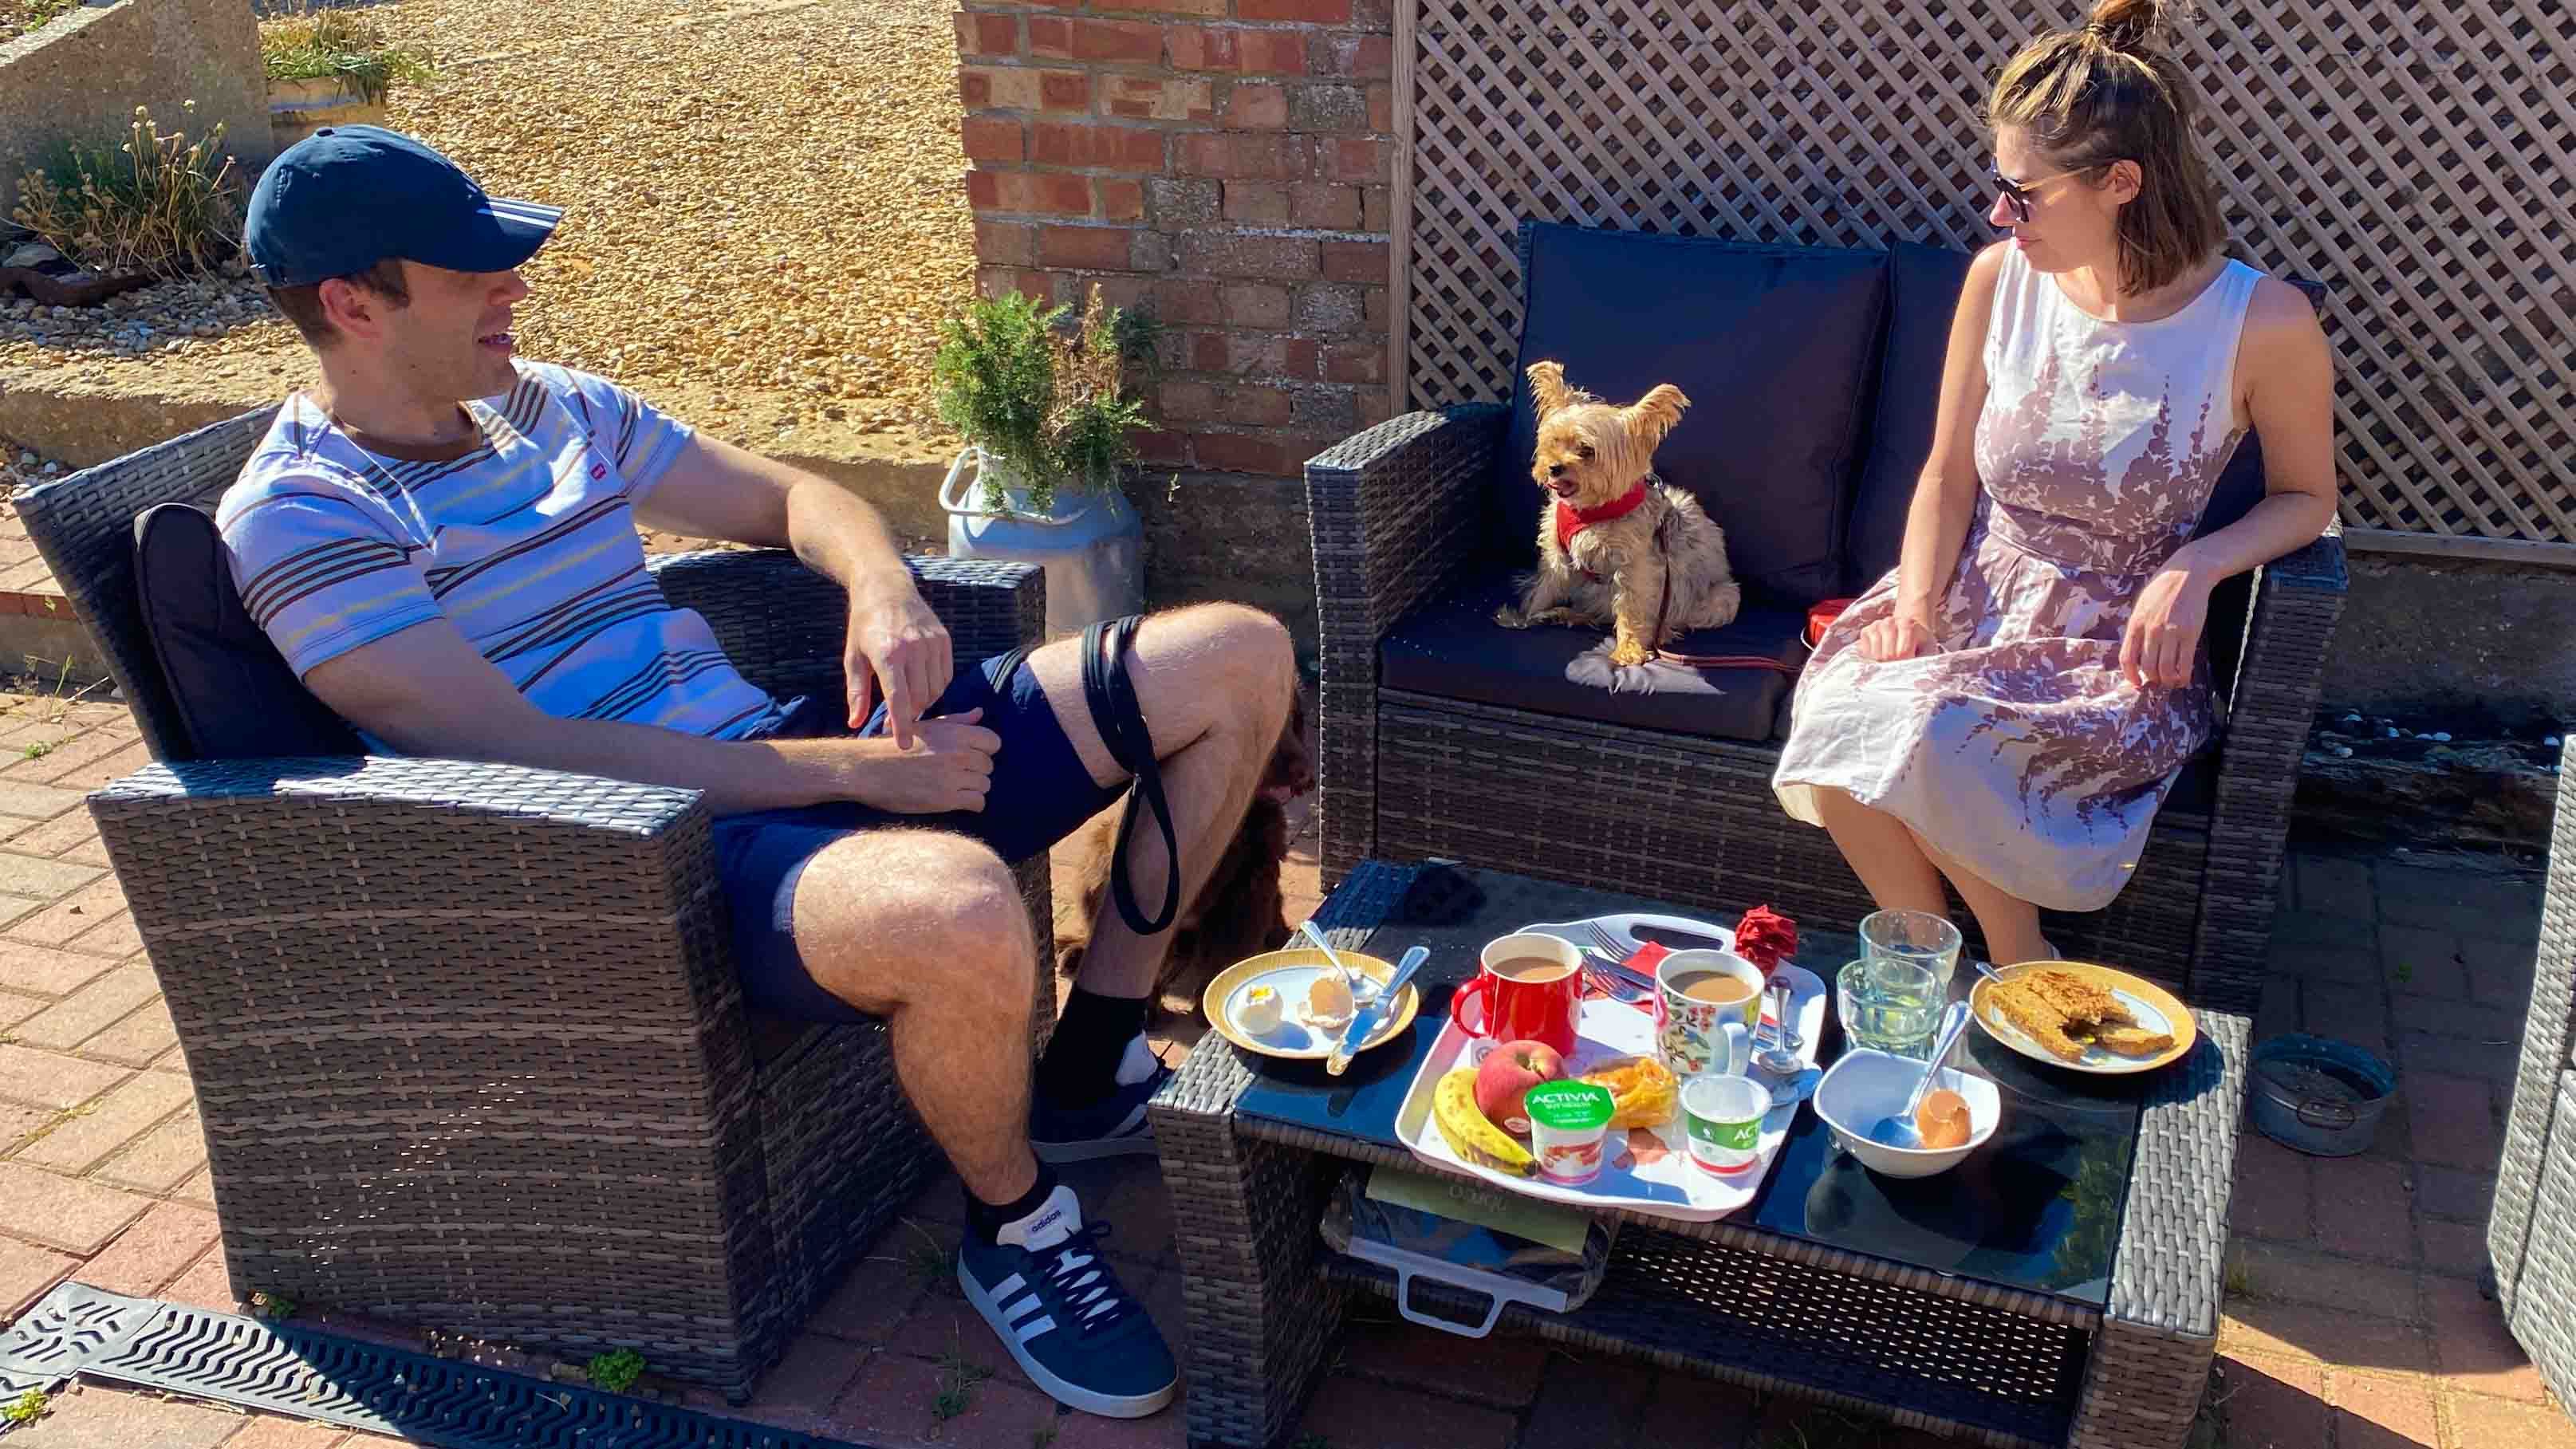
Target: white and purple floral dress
<point>2017,748</point>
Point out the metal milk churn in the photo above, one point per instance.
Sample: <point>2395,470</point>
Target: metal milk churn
<point>1092,545</point>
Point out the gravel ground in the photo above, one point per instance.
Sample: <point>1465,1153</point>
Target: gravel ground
<point>764,200</point>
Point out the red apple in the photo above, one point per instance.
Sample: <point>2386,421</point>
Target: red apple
<point>1508,1071</point>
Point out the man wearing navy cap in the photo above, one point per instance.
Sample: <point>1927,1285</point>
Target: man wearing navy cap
<point>441,539</point>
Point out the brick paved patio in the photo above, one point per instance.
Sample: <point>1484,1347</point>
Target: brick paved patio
<point>2354,1319</point>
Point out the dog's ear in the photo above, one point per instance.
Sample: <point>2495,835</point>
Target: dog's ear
<point>1548,391</point>
<point>1652,416</point>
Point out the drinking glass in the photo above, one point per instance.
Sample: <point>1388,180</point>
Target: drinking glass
<point>1918,936</point>
<point>1890,1005</point>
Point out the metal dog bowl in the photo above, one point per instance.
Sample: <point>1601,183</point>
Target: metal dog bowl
<point>2321,1096</point>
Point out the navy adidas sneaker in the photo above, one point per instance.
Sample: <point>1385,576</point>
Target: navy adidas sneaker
<point>1058,1308</point>
<point>1114,1126</point>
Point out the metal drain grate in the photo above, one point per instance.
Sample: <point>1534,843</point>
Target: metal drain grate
<point>77,1330</point>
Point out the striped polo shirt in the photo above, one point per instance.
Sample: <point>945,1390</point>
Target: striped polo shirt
<point>525,541</point>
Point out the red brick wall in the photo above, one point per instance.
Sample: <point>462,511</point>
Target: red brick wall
<point>1225,164</point>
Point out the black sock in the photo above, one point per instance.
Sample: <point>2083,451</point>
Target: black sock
<point>1081,1062</point>
<point>986,1220</point>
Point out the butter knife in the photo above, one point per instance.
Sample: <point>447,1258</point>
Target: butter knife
<point>1366,1019</point>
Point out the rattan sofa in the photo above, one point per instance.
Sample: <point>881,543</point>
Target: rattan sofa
<point>2531,1233</point>
<point>1437,743</point>
<point>466,1038</point>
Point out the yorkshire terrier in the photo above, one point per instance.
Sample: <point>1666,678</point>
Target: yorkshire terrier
<point>1240,912</point>
<point>1618,548</point>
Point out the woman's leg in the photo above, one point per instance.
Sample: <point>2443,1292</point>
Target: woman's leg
<point>1887,857</point>
<point>2011,924</point>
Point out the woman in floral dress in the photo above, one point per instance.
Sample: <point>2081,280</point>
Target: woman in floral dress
<point>2010,705</point>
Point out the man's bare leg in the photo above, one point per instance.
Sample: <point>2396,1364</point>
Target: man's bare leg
<point>1214,683</point>
<point>928,930</point>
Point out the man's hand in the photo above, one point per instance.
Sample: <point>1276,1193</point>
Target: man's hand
<point>895,635</point>
<point>948,766</point>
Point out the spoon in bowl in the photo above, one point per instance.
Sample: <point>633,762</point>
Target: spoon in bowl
<point>1899,1130</point>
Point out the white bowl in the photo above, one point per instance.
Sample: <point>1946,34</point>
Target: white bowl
<point>1867,1085</point>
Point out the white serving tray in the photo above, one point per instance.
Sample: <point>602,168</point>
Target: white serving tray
<point>1655,1174</point>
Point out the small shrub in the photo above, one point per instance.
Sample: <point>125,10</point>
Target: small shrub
<point>272,1305</point>
<point>27,1408</point>
<point>616,1371</point>
<point>338,45</point>
<point>158,203</point>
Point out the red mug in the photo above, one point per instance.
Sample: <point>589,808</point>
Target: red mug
<point>1511,1008</point>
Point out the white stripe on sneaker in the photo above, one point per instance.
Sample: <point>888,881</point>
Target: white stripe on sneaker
<point>1027,1331</point>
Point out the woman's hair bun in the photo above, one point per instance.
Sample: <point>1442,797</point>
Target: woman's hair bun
<point>2129,24</point>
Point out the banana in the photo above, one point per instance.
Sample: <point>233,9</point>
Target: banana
<point>1468,1133</point>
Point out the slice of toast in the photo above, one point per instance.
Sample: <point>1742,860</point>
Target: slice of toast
<point>2079,1000</point>
<point>2037,1017</point>
<point>2133,1041</point>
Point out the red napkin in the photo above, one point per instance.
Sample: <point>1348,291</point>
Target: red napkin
<point>1766,938</point>
<point>1646,958</point>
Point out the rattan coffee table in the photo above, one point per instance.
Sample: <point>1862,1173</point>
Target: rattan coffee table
<point>2060,1287</point>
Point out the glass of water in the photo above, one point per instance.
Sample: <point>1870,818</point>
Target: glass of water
<point>1889,1005</point>
<point>1917,936</point>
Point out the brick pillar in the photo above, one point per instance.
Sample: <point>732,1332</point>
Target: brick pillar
<point>1225,164</point>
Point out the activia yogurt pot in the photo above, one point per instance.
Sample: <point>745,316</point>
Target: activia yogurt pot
<point>1567,1123</point>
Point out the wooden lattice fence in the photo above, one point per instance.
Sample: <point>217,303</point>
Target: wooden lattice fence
<point>2418,157</point>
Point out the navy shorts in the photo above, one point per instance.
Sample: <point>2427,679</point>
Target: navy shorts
<point>1041,793</point>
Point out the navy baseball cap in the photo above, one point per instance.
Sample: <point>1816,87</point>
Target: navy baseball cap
<point>347,197</point>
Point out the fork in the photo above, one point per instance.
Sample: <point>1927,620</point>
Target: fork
<point>1601,940</point>
<point>1601,968</point>
<point>1612,984</point>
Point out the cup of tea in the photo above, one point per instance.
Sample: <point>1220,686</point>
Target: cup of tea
<point>1528,988</point>
<point>1696,993</point>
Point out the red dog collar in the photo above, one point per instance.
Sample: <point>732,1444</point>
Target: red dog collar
<point>1571,520</point>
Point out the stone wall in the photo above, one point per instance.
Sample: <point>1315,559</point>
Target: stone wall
<point>80,78</point>
<point>1226,165</point>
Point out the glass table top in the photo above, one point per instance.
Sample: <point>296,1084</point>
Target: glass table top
<point>2036,1208</point>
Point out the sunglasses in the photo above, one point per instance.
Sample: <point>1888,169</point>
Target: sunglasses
<point>2018,194</point>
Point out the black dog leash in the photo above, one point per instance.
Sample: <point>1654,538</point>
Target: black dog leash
<point>1112,697</point>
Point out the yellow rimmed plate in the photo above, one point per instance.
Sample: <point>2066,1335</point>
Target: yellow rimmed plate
<point>1290,973</point>
<point>2155,1008</point>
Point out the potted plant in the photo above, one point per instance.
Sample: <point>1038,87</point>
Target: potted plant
<point>1043,403</point>
<point>330,67</point>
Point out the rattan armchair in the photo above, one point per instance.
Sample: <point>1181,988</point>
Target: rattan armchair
<point>2531,1233</point>
<point>466,1038</point>
<point>1397,515</point>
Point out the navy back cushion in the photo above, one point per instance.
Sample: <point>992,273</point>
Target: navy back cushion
<point>236,696</point>
<point>1774,345</point>
<point>1923,293</point>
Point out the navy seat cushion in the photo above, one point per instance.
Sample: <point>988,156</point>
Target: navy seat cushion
<point>1452,648</point>
<point>236,696</point>
<point>1774,345</point>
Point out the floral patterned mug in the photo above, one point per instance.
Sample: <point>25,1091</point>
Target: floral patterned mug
<point>1696,994</point>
